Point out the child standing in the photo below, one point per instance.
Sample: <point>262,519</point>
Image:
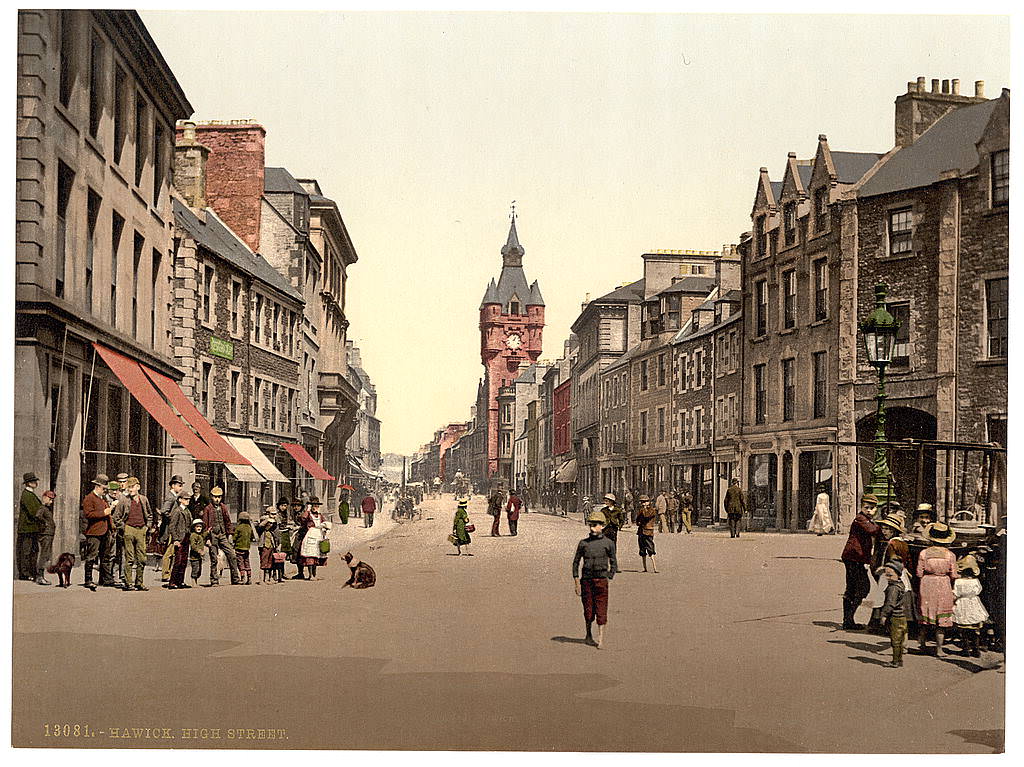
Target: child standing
<point>267,547</point>
<point>242,540</point>
<point>897,608</point>
<point>597,554</point>
<point>197,549</point>
<point>969,614</point>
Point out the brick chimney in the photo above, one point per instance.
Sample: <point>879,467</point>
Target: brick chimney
<point>234,174</point>
<point>190,165</point>
<point>918,109</point>
<point>727,270</point>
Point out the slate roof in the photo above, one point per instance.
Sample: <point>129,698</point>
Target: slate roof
<point>804,171</point>
<point>216,237</point>
<point>512,280</point>
<point>851,166</point>
<point>949,143</point>
<point>634,291</point>
<point>776,189</point>
<point>280,180</point>
<point>702,285</point>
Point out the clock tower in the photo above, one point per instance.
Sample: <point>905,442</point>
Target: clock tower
<point>511,331</point>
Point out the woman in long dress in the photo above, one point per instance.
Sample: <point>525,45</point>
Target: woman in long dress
<point>459,527</point>
<point>317,528</point>
<point>821,521</point>
<point>936,569</point>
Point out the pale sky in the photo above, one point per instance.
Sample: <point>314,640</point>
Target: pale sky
<point>616,134</point>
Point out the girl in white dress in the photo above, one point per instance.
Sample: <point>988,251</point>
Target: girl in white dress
<point>821,522</point>
<point>969,614</point>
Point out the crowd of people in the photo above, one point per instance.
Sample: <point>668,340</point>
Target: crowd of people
<point>120,528</point>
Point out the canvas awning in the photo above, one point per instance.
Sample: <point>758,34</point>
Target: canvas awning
<point>244,473</point>
<point>566,472</point>
<point>306,461</point>
<point>356,463</point>
<point>139,380</point>
<point>257,458</point>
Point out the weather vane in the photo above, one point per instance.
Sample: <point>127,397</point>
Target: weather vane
<point>512,215</point>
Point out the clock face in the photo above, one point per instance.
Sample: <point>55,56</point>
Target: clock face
<point>513,342</point>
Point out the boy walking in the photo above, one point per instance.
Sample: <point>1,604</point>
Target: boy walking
<point>598,556</point>
<point>897,609</point>
<point>645,519</point>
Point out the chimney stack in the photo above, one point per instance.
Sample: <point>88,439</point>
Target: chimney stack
<point>190,166</point>
<point>918,109</point>
<point>920,85</point>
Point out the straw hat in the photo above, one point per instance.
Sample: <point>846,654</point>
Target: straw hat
<point>896,521</point>
<point>609,497</point>
<point>940,532</point>
<point>968,564</point>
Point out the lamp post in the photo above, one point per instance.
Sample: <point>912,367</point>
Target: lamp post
<point>879,329</point>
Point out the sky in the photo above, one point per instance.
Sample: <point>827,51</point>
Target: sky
<point>615,134</point>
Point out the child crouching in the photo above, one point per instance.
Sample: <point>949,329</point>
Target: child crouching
<point>896,608</point>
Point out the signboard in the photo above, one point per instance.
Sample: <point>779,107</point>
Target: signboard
<point>221,348</point>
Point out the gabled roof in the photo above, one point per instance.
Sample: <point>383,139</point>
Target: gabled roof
<point>214,235</point>
<point>528,376</point>
<point>950,143</point>
<point>851,166</point>
<point>280,180</point>
<point>633,292</point>
<point>699,285</point>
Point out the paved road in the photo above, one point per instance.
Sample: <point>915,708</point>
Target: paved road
<point>733,646</point>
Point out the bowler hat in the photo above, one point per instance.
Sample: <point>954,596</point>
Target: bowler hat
<point>282,501</point>
<point>597,516</point>
<point>940,532</point>
<point>185,495</point>
<point>176,480</point>
<point>30,476</point>
<point>101,479</point>
<point>122,476</point>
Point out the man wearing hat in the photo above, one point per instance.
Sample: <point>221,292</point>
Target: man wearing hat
<point>29,524</point>
<point>494,504</point>
<point>897,608</point>
<point>645,519</point>
<point>512,512</point>
<point>176,485</point>
<point>178,536</point>
<point>597,554</point>
<point>219,531</point>
<point>96,511</point>
<point>923,517</point>
<point>735,507</point>
<point>856,557</point>
<point>134,519</point>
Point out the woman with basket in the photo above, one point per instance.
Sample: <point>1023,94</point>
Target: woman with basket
<point>315,544</point>
<point>462,527</point>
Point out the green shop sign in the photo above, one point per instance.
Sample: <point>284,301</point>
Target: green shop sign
<point>221,348</point>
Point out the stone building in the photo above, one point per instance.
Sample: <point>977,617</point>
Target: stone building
<point>234,324</point>
<point>791,283</point>
<point>930,222</point>
<point>727,395</point>
<point>96,109</point>
<point>607,327</point>
<point>363,445</point>
<point>525,389</point>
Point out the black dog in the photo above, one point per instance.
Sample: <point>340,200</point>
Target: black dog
<point>63,567</point>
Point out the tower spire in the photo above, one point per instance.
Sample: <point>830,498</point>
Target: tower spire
<point>512,252</point>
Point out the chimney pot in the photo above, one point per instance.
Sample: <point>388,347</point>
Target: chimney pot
<point>920,85</point>
<point>763,170</point>
<point>791,154</point>
<point>956,87</point>
<point>935,85</point>
<point>911,86</point>
<point>979,89</point>
<point>189,130</point>
<point>945,86</point>
<point>1006,93</point>
<point>822,137</point>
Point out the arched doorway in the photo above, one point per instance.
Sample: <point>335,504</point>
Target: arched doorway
<point>902,423</point>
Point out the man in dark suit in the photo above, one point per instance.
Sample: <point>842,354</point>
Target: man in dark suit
<point>29,526</point>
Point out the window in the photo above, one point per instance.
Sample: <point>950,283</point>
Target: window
<point>761,314</point>
<point>67,56</point>
<point>155,280</point>
<point>116,228</point>
<point>698,368</point>
<point>789,298</point>
<point>820,392</point>
<point>661,370</point>
<point>821,209</point>
<point>139,243</point>
<point>95,84</point>
<point>273,406</point>
<point>65,180</point>
<point>996,427</point>
<point>204,388</point>
<point>158,162</point>
<point>92,216</point>
<point>996,295</point>
<point>789,218</point>
<point>233,397</point>
<point>236,296</point>
<point>643,375</point>
<point>901,232</point>
<point>661,424</point>
<point>643,427</point>
<point>276,323</point>
<point>820,289</point>
<point>759,394</point>
<point>698,426</point>
<point>901,350</point>
<point>120,105</point>
<point>207,293</point>
<point>730,413</point>
<point>506,413</point>
<point>513,307</point>
<point>672,310</point>
<point>140,138</point>
<point>1001,177</point>
<point>506,444</point>
<point>761,241</point>
<point>788,390</point>
<point>257,322</point>
<point>256,391</point>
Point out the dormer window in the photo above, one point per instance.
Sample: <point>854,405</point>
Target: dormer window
<point>761,242</point>
<point>821,209</point>
<point>513,305</point>
<point>789,219</point>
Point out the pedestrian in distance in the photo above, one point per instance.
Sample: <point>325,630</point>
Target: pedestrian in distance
<point>315,543</point>
<point>735,507</point>
<point>896,610</point>
<point>47,529</point>
<point>856,557</point>
<point>494,504</point>
<point>343,505</point>
<point>969,614</point>
<point>597,555</point>
<point>219,532</point>
<point>197,550</point>
<point>661,506</point>
<point>646,517</point>
<point>821,521</point>
<point>369,508</point>
<point>460,527</point>
<point>169,507</point>
<point>134,519</point>
<point>672,506</point>
<point>179,538</point>
<point>96,512</point>
<point>29,525</point>
<point>936,571</point>
<point>685,513</point>
<point>242,540</point>
<point>512,512</point>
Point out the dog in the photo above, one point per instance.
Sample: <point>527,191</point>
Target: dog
<point>363,576</point>
<point>65,562</point>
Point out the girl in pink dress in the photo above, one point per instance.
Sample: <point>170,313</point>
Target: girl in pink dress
<point>936,568</point>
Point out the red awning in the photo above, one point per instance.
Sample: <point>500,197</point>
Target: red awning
<point>131,374</point>
<point>306,461</point>
<point>190,413</point>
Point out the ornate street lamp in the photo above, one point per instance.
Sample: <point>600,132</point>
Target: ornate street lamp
<point>879,331</point>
